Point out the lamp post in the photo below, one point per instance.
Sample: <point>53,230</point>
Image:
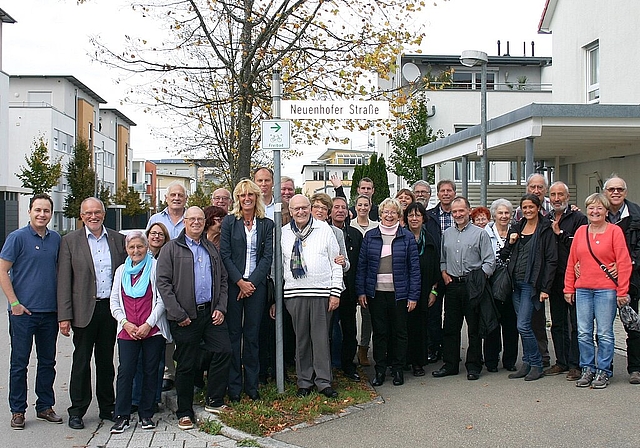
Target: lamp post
<point>472,58</point>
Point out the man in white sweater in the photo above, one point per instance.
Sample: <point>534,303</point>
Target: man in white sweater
<point>313,283</point>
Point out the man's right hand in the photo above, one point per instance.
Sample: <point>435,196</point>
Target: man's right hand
<point>335,181</point>
<point>185,323</point>
<point>65,327</point>
<point>19,310</point>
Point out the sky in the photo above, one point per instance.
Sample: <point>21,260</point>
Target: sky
<point>51,37</point>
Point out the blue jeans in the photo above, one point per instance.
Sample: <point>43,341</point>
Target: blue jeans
<point>600,304</point>
<point>23,329</point>
<point>523,304</point>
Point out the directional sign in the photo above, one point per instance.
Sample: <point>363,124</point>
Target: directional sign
<point>276,134</point>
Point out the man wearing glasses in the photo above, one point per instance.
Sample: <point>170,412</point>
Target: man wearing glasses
<point>87,260</point>
<point>422,190</point>
<point>222,198</point>
<point>626,214</point>
<point>193,284</point>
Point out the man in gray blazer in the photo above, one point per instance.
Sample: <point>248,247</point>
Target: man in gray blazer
<point>87,260</point>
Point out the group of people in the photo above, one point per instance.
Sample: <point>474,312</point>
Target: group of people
<point>192,293</point>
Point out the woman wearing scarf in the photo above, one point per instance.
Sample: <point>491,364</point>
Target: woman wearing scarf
<point>388,281</point>
<point>313,283</point>
<point>142,327</point>
<point>532,254</point>
<point>426,232</point>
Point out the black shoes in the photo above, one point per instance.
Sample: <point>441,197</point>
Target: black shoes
<point>492,369</point>
<point>108,415</point>
<point>472,376</point>
<point>147,423</point>
<point>434,357</point>
<point>75,422</point>
<point>329,392</point>
<point>167,385</point>
<point>120,425</point>
<point>418,371</point>
<point>510,368</point>
<point>303,392</point>
<point>378,380</point>
<point>353,376</point>
<point>442,372</point>
<point>398,378</point>
<point>255,396</point>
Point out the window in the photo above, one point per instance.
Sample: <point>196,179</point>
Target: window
<point>318,175</point>
<point>593,72</point>
<point>471,80</point>
<point>345,175</point>
<point>55,143</point>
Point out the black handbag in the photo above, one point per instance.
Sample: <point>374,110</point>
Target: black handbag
<point>501,284</point>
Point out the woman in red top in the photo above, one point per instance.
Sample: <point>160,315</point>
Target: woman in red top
<point>597,290</point>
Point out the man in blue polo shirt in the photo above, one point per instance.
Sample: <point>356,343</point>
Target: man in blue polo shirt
<point>28,278</point>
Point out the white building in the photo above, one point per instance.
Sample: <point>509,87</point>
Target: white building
<point>8,196</point>
<point>590,127</point>
<point>333,162</point>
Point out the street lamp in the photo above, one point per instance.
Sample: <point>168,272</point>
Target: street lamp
<point>470,58</point>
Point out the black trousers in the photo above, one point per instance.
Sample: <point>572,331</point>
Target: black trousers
<point>633,344</point>
<point>99,338</point>
<point>418,332</point>
<point>434,323</point>
<point>389,322</point>
<point>456,308</point>
<point>505,338</point>
<point>347,311</point>
<point>215,339</point>
<point>564,327</point>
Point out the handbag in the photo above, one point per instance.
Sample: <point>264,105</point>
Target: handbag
<point>501,284</point>
<point>601,264</point>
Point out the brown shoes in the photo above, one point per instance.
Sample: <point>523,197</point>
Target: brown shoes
<point>49,415</point>
<point>555,369</point>
<point>362,356</point>
<point>17,420</point>
<point>185,423</point>
<point>574,374</point>
<point>634,378</point>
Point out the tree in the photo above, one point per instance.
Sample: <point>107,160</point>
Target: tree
<point>104,194</point>
<point>199,198</point>
<point>415,132</point>
<point>81,178</point>
<point>209,75</point>
<point>40,175</point>
<point>376,170</point>
<point>128,197</point>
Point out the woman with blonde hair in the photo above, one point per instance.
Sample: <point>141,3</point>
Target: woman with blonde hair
<point>246,249</point>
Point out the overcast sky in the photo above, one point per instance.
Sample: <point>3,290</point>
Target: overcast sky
<point>51,38</point>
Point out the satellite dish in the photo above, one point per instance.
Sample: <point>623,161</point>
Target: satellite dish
<point>411,72</point>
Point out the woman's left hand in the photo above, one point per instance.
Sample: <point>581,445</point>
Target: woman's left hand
<point>143,331</point>
<point>543,296</point>
<point>411,305</point>
<point>341,260</point>
<point>623,300</point>
<point>131,328</point>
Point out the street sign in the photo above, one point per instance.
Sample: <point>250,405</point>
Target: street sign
<point>276,134</point>
<point>354,110</point>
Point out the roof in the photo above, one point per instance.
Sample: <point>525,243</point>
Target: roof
<point>72,79</point>
<point>119,114</point>
<point>547,15</point>
<point>6,18</point>
<point>574,132</point>
<point>493,60</point>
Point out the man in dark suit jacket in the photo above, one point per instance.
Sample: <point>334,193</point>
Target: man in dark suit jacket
<point>87,260</point>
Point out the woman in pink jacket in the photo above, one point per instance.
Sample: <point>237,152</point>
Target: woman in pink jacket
<point>597,285</point>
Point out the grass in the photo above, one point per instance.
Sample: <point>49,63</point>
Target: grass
<point>210,426</point>
<point>275,412</point>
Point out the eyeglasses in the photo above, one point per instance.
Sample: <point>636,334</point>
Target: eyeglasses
<point>320,207</point>
<point>389,212</point>
<point>299,209</point>
<point>217,219</point>
<point>194,219</point>
<point>98,213</point>
<point>221,198</point>
<point>156,234</point>
<point>616,189</point>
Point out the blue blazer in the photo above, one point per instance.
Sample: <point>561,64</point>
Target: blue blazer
<point>233,249</point>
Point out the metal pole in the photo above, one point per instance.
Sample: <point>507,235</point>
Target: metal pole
<point>276,94</point>
<point>464,176</point>
<point>528,157</point>
<point>484,159</point>
<point>325,176</point>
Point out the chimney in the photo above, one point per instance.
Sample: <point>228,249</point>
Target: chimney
<point>507,53</point>
<point>533,44</point>
<point>498,48</point>
<point>524,49</point>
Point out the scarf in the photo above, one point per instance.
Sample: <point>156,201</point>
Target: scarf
<point>297,265</point>
<point>140,288</point>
